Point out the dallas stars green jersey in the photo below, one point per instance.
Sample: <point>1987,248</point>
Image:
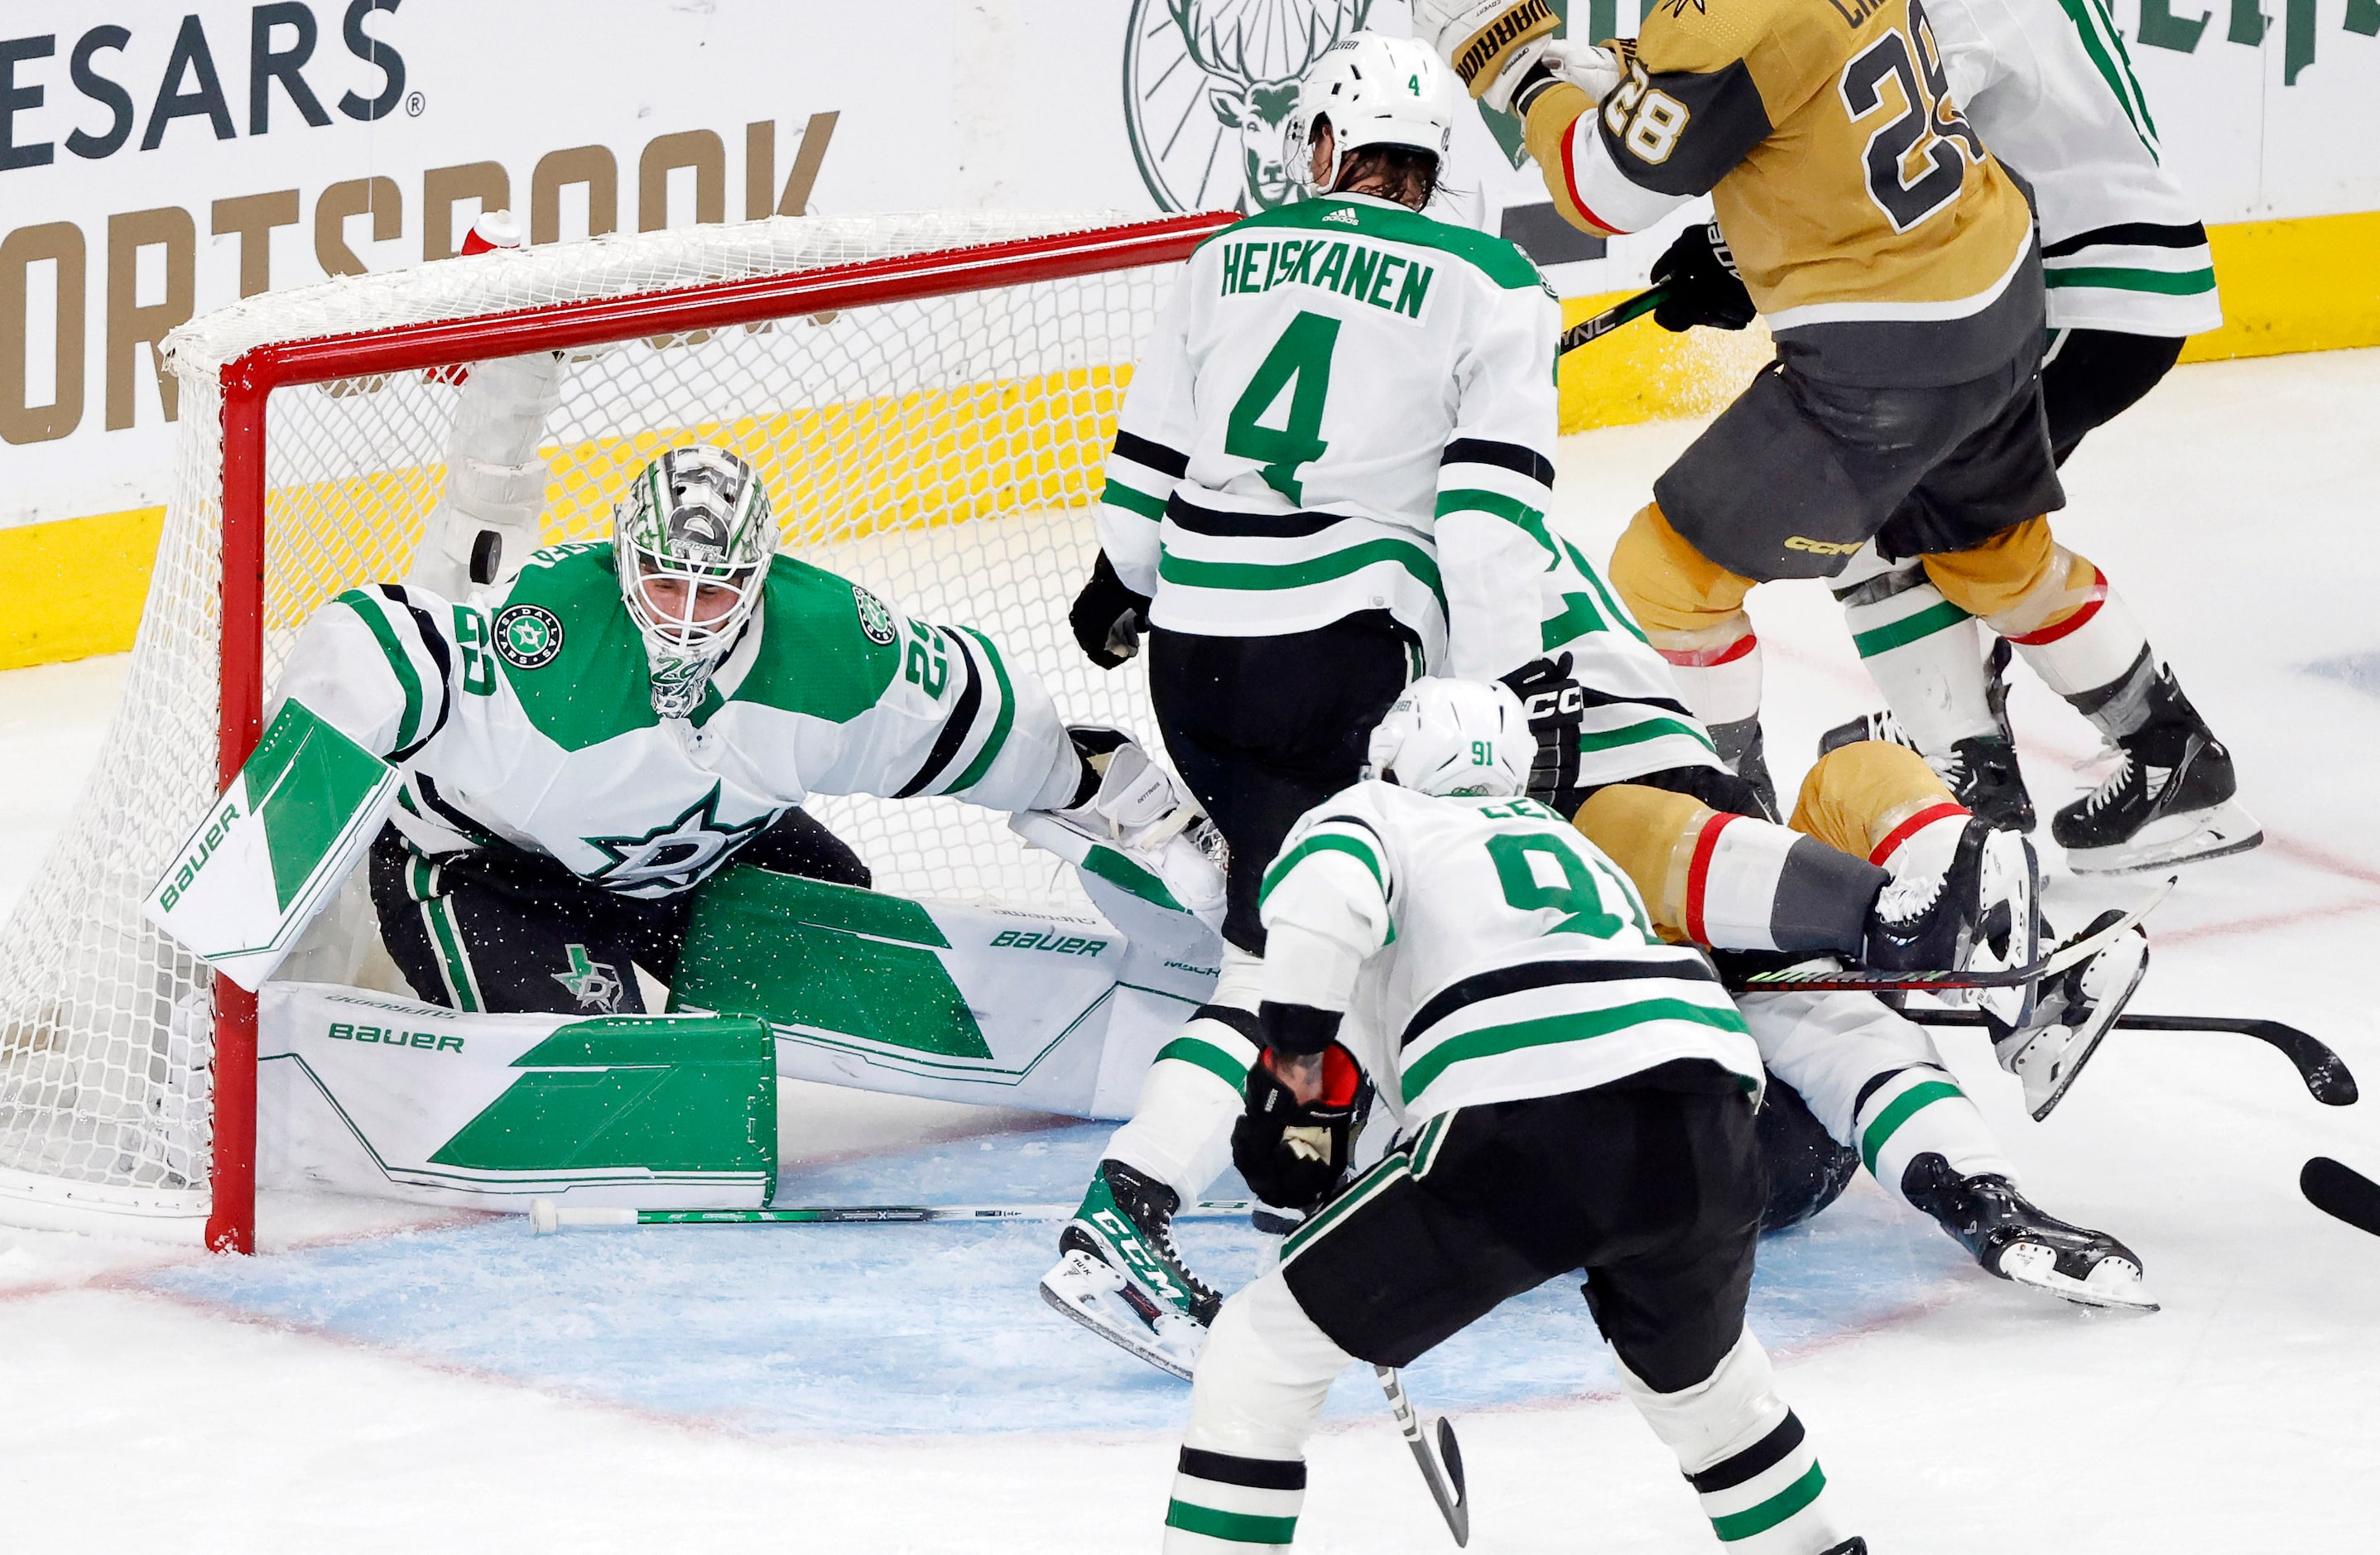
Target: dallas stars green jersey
<point>525,717</point>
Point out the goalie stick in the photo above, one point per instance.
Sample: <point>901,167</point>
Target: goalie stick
<point>2324,1072</point>
<point>1868,980</point>
<point>1627,311</point>
<point>545,1217</point>
<point>2340,1190</point>
<point>1441,1469</point>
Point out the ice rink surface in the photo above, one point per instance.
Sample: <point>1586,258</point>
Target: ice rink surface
<point>391,1380</point>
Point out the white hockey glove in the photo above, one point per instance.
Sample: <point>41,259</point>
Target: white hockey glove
<point>1489,44</point>
<point>1596,70</point>
<point>1137,829</point>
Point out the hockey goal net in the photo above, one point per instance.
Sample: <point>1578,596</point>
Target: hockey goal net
<point>928,397</point>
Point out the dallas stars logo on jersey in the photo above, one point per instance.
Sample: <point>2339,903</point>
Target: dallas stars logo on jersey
<point>676,853</point>
<point>597,985</point>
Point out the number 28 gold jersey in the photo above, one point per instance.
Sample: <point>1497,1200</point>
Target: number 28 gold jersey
<point>1850,187</point>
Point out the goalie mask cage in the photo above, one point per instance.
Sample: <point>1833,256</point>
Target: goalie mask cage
<point>929,398</point>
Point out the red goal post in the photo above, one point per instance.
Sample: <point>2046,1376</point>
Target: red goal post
<point>46,1162</point>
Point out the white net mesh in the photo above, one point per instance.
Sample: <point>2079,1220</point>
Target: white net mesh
<point>943,452</point>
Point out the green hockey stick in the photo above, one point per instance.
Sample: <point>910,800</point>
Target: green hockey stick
<point>1627,311</point>
<point>545,1217</point>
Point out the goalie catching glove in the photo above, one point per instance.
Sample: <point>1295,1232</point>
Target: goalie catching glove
<point>1294,1153</point>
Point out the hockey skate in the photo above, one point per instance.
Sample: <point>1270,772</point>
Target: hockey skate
<point>2075,1009</point>
<point>1120,1275</point>
<point>1980,908</point>
<point>2017,1242</point>
<point>2168,801</point>
<point>1981,771</point>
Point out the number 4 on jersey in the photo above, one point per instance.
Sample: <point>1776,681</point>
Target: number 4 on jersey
<point>1299,362</point>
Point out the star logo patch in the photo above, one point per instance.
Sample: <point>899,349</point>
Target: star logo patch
<point>597,985</point>
<point>673,855</point>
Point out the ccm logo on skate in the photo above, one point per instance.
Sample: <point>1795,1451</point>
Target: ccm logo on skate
<point>1033,939</point>
<point>1821,547</point>
<point>390,1037</point>
<point>198,857</point>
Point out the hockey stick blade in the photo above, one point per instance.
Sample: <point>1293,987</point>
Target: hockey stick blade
<point>546,1217</point>
<point>2324,1072</point>
<point>2342,1193</point>
<point>1868,980</point>
<point>1628,310</point>
<point>1441,1470</point>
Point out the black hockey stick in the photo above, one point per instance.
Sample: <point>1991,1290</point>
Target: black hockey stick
<point>2324,1072</point>
<point>1441,1470</point>
<point>1626,311</point>
<point>2342,1192</point>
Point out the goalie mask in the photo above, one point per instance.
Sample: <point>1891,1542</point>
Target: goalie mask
<point>1454,737</point>
<point>692,540</point>
<point>1373,92</point>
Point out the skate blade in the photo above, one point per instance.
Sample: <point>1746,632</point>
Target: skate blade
<point>2113,1284</point>
<point>2192,837</point>
<point>2012,873</point>
<point>2125,962</point>
<point>1093,1297</point>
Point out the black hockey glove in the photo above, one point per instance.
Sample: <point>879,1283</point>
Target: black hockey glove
<point>1556,705</point>
<point>1294,1153</point>
<point>1107,617</point>
<point>1699,272</point>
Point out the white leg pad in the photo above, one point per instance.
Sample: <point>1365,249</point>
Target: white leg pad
<point>1262,1378</point>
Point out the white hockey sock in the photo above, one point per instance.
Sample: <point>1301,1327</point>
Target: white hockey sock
<point>2097,659</point>
<point>1259,1388</point>
<point>1922,1110</point>
<point>1922,652</point>
<point>1926,849</point>
<point>1180,1132</point>
<point>1745,1454</point>
<point>1717,669</point>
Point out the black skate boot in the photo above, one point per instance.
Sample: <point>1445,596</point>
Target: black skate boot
<point>1741,746</point>
<point>1981,770</point>
<point>1120,1275</point>
<point>1981,910</point>
<point>2168,801</point>
<point>2010,1238</point>
<point>2074,1010</point>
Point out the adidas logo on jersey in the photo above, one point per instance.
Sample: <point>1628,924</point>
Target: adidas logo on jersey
<point>1344,217</point>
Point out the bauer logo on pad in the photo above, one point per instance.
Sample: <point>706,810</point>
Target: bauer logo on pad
<point>273,847</point>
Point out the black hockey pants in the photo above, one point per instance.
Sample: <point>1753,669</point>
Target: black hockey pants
<point>2091,376</point>
<point>1652,1185</point>
<point>1264,729</point>
<point>508,931</point>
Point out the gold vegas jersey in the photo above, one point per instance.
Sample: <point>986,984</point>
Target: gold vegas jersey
<point>1851,188</point>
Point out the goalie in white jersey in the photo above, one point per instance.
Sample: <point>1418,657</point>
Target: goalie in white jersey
<point>582,747</point>
<point>1574,1094</point>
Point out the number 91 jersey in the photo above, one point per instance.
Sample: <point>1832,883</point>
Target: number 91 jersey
<point>1347,405</point>
<point>1495,952</point>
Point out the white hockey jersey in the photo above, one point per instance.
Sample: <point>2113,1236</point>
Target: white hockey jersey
<point>1349,407</point>
<point>1483,952</point>
<point>2049,86</point>
<point>525,717</point>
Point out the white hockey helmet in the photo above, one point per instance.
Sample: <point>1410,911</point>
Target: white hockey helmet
<point>1448,737</point>
<point>1375,91</point>
<point>694,525</point>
